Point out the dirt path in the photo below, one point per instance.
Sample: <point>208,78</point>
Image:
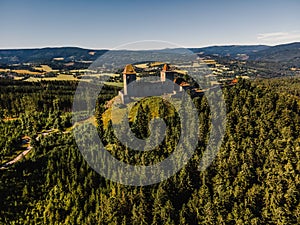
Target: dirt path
<point>26,140</point>
<point>19,157</point>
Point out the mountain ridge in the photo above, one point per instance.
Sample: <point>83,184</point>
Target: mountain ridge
<point>285,53</point>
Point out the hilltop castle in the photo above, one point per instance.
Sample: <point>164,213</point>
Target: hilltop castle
<point>141,88</point>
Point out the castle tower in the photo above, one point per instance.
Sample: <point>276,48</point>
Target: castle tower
<point>166,73</point>
<point>129,75</point>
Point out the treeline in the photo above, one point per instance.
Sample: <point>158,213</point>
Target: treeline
<point>254,179</point>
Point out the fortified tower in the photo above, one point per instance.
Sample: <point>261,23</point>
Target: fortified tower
<point>129,75</point>
<point>166,73</point>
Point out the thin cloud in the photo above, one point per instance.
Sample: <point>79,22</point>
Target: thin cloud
<point>279,36</point>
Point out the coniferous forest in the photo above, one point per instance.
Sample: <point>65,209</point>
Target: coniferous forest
<point>255,178</point>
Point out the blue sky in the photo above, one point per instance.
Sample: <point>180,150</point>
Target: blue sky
<point>106,24</point>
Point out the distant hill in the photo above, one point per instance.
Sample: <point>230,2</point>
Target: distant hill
<point>230,50</point>
<point>286,53</point>
<point>46,55</point>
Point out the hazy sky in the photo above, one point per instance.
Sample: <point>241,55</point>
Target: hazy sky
<point>110,23</point>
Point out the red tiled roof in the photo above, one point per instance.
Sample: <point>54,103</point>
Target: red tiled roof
<point>129,69</point>
<point>166,67</point>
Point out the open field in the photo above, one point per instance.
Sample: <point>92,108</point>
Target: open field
<point>33,79</point>
<point>69,78</point>
<point>18,78</point>
<point>26,72</point>
<point>119,84</point>
<point>4,70</point>
<point>61,77</point>
<point>156,64</point>
<point>45,68</point>
<point>98,75</point>
<point>82,71</point>
<point>41,70</point>
<point>142,66</point>
<point>21,71</point>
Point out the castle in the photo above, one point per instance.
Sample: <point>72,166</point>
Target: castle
<point>148,87</point>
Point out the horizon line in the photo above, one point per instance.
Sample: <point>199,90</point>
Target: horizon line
<point>109,49</point>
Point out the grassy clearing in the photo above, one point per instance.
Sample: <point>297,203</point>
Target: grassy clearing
<point>154,104</point>
<point>82,71</point>
<point>26,72</point>
<point>107,116</point>
<point>18,78</point>
<point>110,74</point>
<point>60,77</point>
<point>22,72</point>
<point>45,68</point>
<point>119,84</point>
<point>33,79</point>
<point>142,66</point>
<point>4,70</point>
<point>91,120</point>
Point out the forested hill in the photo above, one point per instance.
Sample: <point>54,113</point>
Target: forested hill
<point>287,53</point>
<point>255,178</point>
<point>46,55</point>
<point>230,50</point>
